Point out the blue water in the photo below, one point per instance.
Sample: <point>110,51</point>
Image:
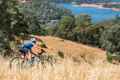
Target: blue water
<point>96,14</point>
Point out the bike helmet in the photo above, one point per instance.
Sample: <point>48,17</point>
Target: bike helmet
<point>33,40</point>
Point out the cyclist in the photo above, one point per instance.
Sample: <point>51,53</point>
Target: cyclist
<point>26,48</point>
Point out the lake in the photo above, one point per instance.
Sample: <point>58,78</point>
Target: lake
<point>97,15</point>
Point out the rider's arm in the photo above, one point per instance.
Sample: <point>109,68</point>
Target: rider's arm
<point>42,44</point>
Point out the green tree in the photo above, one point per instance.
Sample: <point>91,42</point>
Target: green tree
<point>110,39</point>
<point>82,21</point>
<point>12,22</point>
<point>66,25</point>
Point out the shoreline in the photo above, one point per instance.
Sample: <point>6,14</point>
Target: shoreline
<point>99,6</point>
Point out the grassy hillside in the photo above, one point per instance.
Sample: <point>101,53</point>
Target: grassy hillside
<point>68,69</point>
<point>73,50</point>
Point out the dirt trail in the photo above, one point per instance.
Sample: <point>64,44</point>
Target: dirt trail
<point>73,49</point>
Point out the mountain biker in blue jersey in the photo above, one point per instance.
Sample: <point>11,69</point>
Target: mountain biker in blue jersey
<point>26,48</point>
<point>29,45</point>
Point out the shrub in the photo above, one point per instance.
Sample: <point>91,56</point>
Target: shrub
<point>89,35</point>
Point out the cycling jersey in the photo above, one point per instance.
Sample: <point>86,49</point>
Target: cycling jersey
<point>26,46</point>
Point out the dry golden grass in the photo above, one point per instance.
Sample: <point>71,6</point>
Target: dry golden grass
<point>66,70</point>
<point>81,63</point>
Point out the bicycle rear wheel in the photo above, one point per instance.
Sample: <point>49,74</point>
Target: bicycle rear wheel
<point>47,59</point>
<point>15,62</point>
<point>51,60</point>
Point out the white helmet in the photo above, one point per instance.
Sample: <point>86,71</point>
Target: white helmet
<point>33,40</point>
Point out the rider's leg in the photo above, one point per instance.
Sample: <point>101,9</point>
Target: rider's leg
<point>29,55</point>
<point>25,53</point>
<point>22,57</point>
<point>22,53</point>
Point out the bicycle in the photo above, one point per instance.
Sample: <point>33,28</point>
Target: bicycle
<point>20,63</point>
<point>42,58</point>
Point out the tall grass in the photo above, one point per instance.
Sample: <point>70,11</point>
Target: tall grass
<point>66,70</point>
